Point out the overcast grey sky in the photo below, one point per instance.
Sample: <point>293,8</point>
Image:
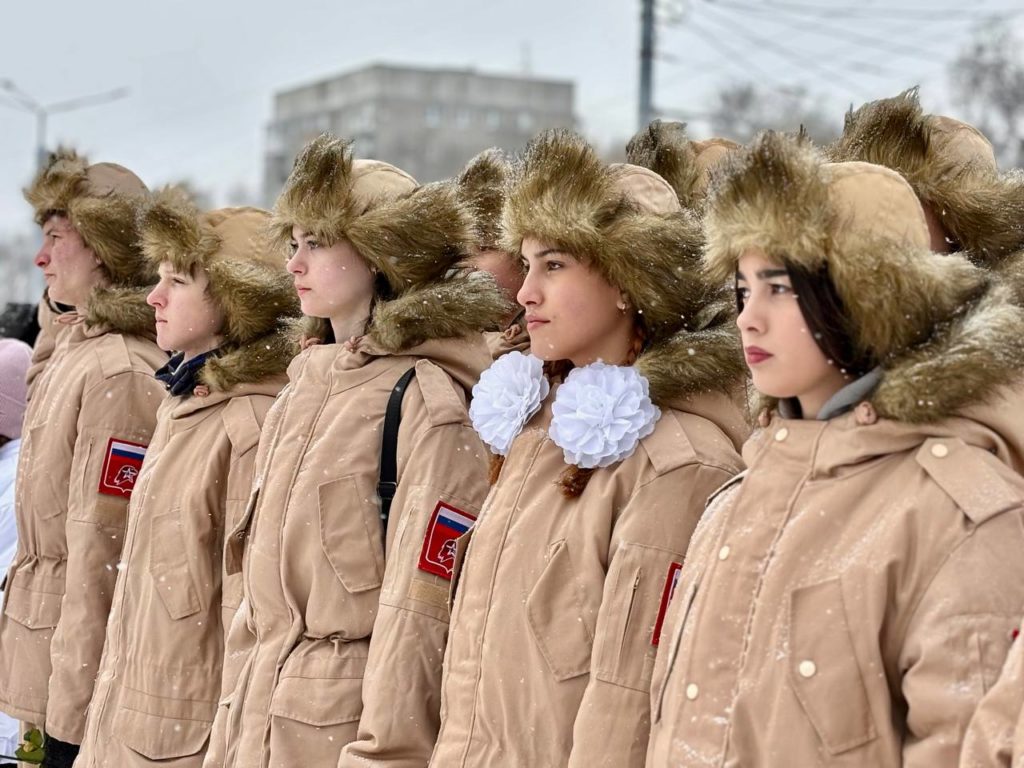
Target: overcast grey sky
<point>201,74</point>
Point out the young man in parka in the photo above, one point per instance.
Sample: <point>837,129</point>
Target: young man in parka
<point>221,305</point>
<point>87,426</point>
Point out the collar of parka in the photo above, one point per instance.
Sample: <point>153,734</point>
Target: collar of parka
<point>627,222</point>
<point>101,201</point>
<point>949,164</point>
<point>247,281</point>
<point>415,236</point>
<point>945,333</point>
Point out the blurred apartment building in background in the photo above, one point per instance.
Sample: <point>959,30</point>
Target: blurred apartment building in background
<point>428,122</point>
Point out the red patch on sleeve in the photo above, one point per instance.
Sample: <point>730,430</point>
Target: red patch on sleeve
<point>671,580</point>
<point>446,524</point>
<point>121,466</point>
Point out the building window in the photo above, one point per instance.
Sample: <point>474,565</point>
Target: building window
<point>524,120</point>
<point>493,119</point>
<point>463,118</point>
<point>432,116</point>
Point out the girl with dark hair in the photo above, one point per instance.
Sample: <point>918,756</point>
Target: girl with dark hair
<point>847,600</point>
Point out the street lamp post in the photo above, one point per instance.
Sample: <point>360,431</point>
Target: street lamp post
<point>24,102</point>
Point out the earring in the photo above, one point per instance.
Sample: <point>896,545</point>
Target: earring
<point>621,305</point>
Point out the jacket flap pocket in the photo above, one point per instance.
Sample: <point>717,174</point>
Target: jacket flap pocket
<point>157,737</point>
<point>350,533</point>
<point>234,542</point>
<point>168,566</point>
<point>823,668</point>
<point>554,611</point>
<point>33,600</point>
<point>318,701</point>
<point>637,591</point>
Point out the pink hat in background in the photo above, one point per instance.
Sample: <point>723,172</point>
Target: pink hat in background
<point>14,359</point>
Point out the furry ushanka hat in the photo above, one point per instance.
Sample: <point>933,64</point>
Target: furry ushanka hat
<point>481,186</point>
<point>627,222</point>
<point>945,334</point>
<point>686,165</point>
<point>247,280</point>
<point>101,202</point>
<point>949,164</point>
<point>415,236</point>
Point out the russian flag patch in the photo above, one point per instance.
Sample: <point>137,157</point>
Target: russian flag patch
<point>445,526</point>
<point>671,581</point>
<point>121,467</point>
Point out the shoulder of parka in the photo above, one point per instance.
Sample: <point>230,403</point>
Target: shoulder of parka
<point>443,399</point>
<point>671,446</point>
<point>978,483</point>
<point>242,423</point>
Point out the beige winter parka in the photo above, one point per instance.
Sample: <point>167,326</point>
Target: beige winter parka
<point>560,596</point>
<point>92,411</point>
<point>87,426</point>
<point>343,624</point>
<point>849,599</point>
<point>160,674</point>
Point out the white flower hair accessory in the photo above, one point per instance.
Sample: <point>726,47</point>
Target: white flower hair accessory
<point>508,394</point>
<point>601,413</point>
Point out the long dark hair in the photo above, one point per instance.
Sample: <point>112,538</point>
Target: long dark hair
<point>826,317</point>
<point>828,320</point>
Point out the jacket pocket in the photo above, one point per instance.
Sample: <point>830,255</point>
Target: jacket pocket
<point>47,501</point>
<point>168,566</point>
<point>160,729</point>
<point>350,533</point>
<point>625,648</point>
<point>823,669</point>
<point>33,599</point>
<point>554,612</point>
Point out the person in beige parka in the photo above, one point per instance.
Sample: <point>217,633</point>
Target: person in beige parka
<point>482,185</point>
<point>608,450</point>
<point>221,304</point>
<point>343,623</point>
<point>88,423</point>
<point>848,599</point>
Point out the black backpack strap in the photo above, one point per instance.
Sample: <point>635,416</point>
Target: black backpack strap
<point>387,485</point>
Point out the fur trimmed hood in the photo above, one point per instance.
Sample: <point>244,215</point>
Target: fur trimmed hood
<point>945,333</point>
<point>247,280</point>
<point>121,310</point>
<point>481,186</point>
<point>101,202</point>
<point>623,219</point>
<point>949,164</point>
<point>686,165</point>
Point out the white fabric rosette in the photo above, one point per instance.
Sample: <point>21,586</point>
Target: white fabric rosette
<point>508,394</point>
<point>600,414</point>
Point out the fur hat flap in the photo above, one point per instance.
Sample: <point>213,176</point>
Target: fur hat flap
<point>411,234</point>
<point>950,166</point>
<point>246,275</point>
<point>481,185</point>
<point>622,219</point>
<point>857,223</point>
<point>101,202</point>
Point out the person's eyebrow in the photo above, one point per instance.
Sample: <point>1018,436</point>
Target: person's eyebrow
<point>765,274</point>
